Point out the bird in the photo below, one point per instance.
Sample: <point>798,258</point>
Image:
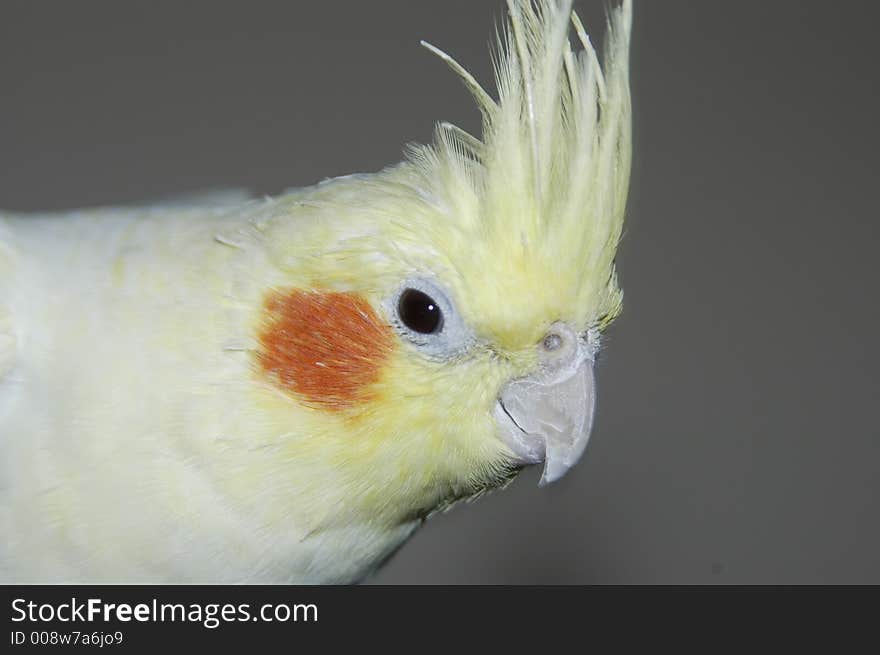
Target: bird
<point>282,390</point>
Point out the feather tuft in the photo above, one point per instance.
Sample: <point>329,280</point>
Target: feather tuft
<point>553,162</point>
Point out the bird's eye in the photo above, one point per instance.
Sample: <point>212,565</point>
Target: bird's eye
<point>425,315</point>
<point>419,312</point>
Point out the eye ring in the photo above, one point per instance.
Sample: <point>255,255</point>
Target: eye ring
<point>424,314</point>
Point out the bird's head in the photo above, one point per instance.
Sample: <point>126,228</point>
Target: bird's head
<point>437,324</point>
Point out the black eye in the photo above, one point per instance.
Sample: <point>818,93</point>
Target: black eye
<point>419,312</point>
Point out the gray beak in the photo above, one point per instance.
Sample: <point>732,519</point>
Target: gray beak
<point>547,417</point>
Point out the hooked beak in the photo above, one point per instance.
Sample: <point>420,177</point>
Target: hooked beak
<point>548,417</point>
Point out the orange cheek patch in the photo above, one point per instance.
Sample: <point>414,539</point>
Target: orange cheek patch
<point>327,348</point>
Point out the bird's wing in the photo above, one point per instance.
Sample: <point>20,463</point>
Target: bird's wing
<point>130,330</point>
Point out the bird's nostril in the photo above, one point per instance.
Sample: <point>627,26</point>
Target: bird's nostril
<point>558,346</point>
<point>552,341</point>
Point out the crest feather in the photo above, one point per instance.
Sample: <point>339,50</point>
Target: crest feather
<point>553,162</point>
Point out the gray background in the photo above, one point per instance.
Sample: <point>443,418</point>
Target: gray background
<point>737,437</point>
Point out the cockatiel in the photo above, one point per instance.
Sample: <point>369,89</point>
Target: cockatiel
<point>282,390</point>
